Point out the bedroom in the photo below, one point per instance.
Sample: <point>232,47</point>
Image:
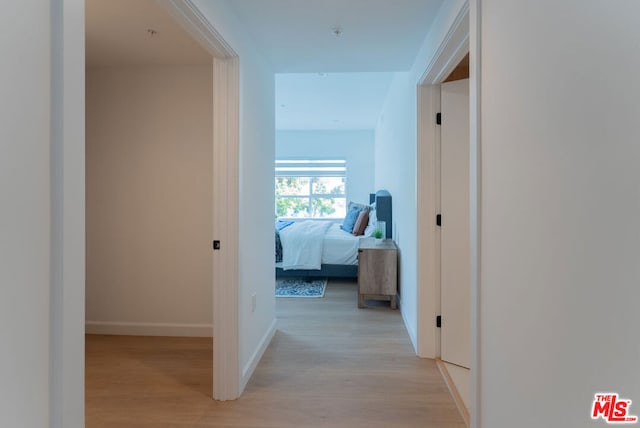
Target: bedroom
<point>325,145</point>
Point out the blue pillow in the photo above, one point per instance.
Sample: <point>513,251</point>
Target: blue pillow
<point>350,220</point>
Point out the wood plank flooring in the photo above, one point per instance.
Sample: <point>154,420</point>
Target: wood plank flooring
<point>329,365</point>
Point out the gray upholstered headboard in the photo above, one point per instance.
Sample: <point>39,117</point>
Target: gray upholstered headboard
<point>382,198</point>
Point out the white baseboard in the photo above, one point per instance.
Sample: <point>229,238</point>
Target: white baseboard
<point>411,331</point>
<point>251,365</point>
<point>148,329</point>
<point>455,392</point>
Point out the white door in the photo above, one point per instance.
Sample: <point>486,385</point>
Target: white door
<point>455,307</point>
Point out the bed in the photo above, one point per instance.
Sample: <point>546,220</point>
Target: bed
<point>339,249</point>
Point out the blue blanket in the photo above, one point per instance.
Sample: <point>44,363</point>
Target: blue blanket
<point>281,224</point>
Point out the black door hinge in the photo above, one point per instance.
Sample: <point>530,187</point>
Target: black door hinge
<point>438,118</point>
<point>439,321</point>
<point>216,245</point>
<point>438,219</point>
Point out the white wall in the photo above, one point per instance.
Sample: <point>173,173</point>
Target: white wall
<point>356,147</point>
<point>395,155</point>
<point>257,135</point>
<point>560,237</point>
<point>25,215</point>
<point>149,200</point>
<point>396,162</point>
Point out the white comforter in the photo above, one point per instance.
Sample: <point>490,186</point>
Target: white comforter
<point>302,244</point>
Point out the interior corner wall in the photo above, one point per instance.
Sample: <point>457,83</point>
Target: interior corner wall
<point>355,146</point>
<point>148,200</point>
<point>560,203</point>
<point>257,155</point>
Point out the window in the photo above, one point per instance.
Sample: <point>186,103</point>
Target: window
<point>311,188</point>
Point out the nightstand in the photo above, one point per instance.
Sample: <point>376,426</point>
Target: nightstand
<point>377,271</point>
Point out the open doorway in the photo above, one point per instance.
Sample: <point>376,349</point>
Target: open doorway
<point>325,157</point>
<point>154,132</point>
<point>149,188</point>
<point>148,173</point>
<point>444,196</point>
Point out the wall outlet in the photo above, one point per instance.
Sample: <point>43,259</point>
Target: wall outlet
<point>253,302</point>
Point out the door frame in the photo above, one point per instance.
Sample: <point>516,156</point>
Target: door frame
<point>226,179</point>
<point>454,47</point>
<point>462,37</point>
<point>67,175</point>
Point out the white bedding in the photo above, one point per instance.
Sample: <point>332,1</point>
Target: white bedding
<point>309,244</point>
<point>302,245</point>
<point>340,247</point>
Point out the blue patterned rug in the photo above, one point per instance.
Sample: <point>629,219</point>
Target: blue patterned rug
<point>297,287</point>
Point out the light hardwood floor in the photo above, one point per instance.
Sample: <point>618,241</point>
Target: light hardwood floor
<point>329,365</point>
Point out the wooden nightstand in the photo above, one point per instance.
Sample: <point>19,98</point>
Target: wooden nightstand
<point>377,271</point>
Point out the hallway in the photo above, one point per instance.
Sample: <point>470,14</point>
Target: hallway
<point>329,365</point>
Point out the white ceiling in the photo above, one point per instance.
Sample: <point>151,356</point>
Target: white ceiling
<point>330,100</point>
<point>116,35</point>
<point>377,35</point>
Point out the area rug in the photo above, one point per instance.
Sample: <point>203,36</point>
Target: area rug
<point>299,287</point>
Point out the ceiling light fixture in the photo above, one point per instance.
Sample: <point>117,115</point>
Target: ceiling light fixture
<point>337,31</point>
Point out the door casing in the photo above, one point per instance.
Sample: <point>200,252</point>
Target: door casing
<point>462,37</point>
<point>226,146</point>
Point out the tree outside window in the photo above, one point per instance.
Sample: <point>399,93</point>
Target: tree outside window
<point>310,189</point>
